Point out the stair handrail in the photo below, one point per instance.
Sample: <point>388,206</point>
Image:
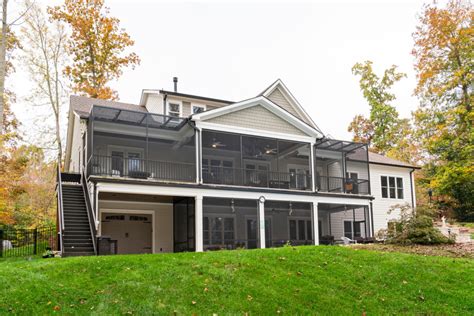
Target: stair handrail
<point>90,211</point>
<point>60,206</point>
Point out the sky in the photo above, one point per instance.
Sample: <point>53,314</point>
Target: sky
<point>233,50</point>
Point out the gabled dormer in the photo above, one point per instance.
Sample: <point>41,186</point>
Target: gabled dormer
<point>278,93</point>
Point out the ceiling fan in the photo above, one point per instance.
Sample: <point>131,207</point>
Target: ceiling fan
<point>269,150</point>
<point>217,144</point>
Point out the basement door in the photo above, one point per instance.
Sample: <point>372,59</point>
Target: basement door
<point>133,232</point>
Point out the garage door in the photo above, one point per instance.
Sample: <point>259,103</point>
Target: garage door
<point>133,232</point>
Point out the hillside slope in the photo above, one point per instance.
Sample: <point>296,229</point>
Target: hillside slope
<point>300,280</point>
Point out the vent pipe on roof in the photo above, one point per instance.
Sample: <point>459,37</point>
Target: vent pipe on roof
<point>175,81</point>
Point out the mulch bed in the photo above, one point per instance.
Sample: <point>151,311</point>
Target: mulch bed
<point>465,250</point>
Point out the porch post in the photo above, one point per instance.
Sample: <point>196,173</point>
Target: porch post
<point>261,220</point>
<point>313,177</point>
<point>315,223</point>
<point>198,222</point>
<point>198,160</point>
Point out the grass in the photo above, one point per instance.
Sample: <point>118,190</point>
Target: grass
<point>299,280</point>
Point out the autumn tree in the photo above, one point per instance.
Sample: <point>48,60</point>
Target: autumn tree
<point>444,53</point>
<point>45,58</point>
<point>96,46</point>
<point>381,130</point>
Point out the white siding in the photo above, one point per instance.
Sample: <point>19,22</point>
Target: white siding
<point>277,97</point>
<point>76,146</point>
<point>154,103</point>
<point>382,205</point>
<point>257,117</point>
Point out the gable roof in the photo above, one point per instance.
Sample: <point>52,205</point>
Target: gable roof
<point>265,103</point>
<point>278,90</point>
<point>382,160</point>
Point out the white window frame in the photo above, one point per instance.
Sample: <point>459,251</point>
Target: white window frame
<point>198,105</point>
<point>396,187</point>
<point>178,102</point>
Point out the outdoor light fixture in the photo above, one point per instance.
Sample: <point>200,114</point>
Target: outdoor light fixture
<point>232,206</point>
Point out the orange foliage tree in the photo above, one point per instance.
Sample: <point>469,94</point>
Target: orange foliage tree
<point>96,45</point>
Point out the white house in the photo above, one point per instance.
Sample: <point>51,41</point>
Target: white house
<point>180,172</point>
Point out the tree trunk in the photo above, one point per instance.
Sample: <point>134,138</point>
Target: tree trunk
<point>3,48</point>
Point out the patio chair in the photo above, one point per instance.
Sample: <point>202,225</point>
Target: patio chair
<point>348,241</point>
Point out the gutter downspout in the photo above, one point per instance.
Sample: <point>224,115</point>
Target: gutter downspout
<point>164,103</point>
<point>412,189</point>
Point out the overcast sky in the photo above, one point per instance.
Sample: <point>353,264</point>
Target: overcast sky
<point>233,50</point>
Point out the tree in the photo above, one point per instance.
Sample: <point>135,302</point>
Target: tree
<point>382,129</point>
<point>444,61</point>
<point>96,45</point>
<point>45,58</point>
<point>3,50</point>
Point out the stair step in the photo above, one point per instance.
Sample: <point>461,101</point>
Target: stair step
<point>77,237</point>
<point>70,245</point>
<point>79,249</point>
<point>78,254</point>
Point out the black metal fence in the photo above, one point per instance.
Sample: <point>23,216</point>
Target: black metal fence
<point>17,242</point>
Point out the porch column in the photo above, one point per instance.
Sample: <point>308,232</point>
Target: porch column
<point>198,160</point>
<point>261,220</point>
<point>315,216</point>
<point>198,223</point>
<point>313,177</point>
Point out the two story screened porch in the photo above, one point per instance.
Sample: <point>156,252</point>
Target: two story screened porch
<point>342,167</point>
<point>252,161</point>
<point>140,145</point>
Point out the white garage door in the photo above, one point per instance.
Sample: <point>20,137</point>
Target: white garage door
<point>133,232</point>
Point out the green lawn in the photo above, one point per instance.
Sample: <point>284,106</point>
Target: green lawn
<point>300,280</point>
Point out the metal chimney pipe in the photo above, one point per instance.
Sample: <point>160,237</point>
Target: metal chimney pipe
<point>175,81</point>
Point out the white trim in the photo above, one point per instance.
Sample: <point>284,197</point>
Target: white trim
<point>267,104</point>
<point>290,98</point>
<point>207,192</point>
<point>121,211</point>
<point>253,132</point>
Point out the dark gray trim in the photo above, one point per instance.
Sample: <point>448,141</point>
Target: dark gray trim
<point>386,164</point>
<point>372,218</point>
<point>191,96</point>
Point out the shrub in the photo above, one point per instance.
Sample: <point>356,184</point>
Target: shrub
<point>415,228</point>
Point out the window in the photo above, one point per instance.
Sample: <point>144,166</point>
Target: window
<point>198,108</point>
<point>348,229</point>
<point>218,230</point>
<point>300,229</point>
<point>174,109</point>
<point>392,187</point>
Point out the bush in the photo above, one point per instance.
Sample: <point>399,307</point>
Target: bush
<point>415,228</point>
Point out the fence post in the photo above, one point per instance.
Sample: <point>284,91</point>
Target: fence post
<point>1,243</point>
<point>35,241</point>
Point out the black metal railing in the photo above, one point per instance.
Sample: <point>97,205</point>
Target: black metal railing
<point>138,168</point>
<point>342,185</point>
<point>16,242</point>
<point>90,211</point>
<point>257,178</point>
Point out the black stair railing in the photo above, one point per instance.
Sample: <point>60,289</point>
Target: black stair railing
<point>90,211</point>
